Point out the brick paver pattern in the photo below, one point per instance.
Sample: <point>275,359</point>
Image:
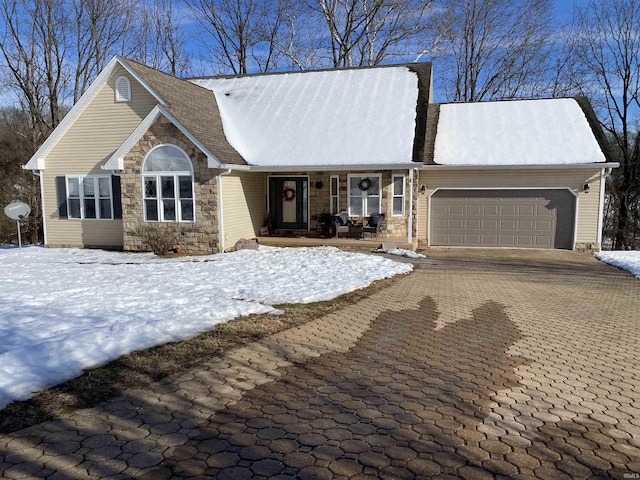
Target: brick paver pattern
<point>479,364</point>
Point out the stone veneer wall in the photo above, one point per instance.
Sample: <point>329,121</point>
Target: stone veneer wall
<point>199,237</point>
<point>319,199</point>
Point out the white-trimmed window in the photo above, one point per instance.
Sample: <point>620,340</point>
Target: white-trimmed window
<point>334,187</point>
<point>123,89</point>
<point>397,183</point>
<point>364,195</point>
<point>89,197</point>
<point>167,185</point>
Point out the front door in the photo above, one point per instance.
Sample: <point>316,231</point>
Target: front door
<point>288,203</point>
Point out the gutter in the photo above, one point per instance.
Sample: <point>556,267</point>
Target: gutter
<point>570,166</point>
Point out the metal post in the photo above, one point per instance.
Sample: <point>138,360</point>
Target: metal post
<point>19,235</point>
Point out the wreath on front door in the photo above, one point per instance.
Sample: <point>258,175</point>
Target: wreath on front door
<point>365,184</point>
<point>288,194</point>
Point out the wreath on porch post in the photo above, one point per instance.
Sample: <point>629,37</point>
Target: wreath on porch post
<point>288,194</point>
<point>365,184</point>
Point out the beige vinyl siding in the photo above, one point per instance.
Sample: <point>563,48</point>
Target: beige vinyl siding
<point>574,179</point>
<point>244,205</point>
<point>92,138</point>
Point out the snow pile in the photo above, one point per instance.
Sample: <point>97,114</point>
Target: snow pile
<point>340,117</point>
<point>522,132</point>
<point>64,310</point>
<point>627,260</point>
<point>402,252</point>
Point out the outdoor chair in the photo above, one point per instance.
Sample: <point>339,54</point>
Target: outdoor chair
<point>374,224</point>
<point>341,223</point>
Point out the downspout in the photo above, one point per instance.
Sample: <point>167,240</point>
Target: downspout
<point>220,208</point>
<point>410,222</point>
<point>604,174</point>
<point>38,173</point>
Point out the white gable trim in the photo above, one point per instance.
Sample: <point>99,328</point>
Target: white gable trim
<point>37,161</point>
<point>116,161</point>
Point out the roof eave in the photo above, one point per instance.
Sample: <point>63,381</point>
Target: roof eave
<point>555,166</point>
<point>325,168</point>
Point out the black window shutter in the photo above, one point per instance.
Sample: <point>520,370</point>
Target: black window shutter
<point>61,192</point>
<point>117,194</point>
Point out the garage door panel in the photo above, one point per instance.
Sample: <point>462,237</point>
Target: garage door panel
<point>520,218</point>
<point>542,241</point>
<point>507,240</point>
<point>544,226</point>
<point>489,224</point>
<point>456,238</point>
<point>475,240</point>
<point>509,210</point>
<point>507,225</point>
<point>488,238</point>
<point>490,210</point>
<point>474,210</point>
<point>542,211</point>
<point>524,241</point>
<point>440,209</point>
<point>526,210</point>
<point>473,225</point>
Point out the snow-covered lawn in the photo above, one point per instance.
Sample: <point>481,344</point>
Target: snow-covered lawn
<point>63,310</point>
<point>627,260</point>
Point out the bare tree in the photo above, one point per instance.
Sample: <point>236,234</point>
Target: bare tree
<point>161,40</point>
<point>100,29</point>
<point>33,47</point>
<point>366,32</point>
<point>494,48</point>
<point>608,48</point>
<point>241,34</point>
<point>15,183</point>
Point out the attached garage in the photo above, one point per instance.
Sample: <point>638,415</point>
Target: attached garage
<point>513,174</point>
<point>519,218</point>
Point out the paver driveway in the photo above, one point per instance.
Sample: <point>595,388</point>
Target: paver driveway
<point>479,364</point>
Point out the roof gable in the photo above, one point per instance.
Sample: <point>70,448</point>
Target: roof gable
<point>193,109</point>
<point>190,107</point>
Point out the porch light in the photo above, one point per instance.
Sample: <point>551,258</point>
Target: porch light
<point>423,188</point>
<point>585,188</point>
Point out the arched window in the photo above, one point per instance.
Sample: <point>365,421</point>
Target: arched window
<point>167,185</point>
<point>123,89</point>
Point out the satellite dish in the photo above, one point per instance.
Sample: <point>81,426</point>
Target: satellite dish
<point>17,210</point>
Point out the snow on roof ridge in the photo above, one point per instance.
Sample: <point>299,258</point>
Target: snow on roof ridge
<point>286,72</point>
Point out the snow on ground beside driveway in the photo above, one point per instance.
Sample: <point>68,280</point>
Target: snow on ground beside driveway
<point>63,310</point>
<point>627,260</point>
<point>402,252</point>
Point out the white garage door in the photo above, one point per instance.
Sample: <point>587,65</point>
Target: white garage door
<point>503,218</point>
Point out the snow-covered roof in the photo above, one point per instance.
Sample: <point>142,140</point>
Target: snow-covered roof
<point>519,132</point>
<point>340,117</point>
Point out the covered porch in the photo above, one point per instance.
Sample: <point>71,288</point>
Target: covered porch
<point>339,242</point>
